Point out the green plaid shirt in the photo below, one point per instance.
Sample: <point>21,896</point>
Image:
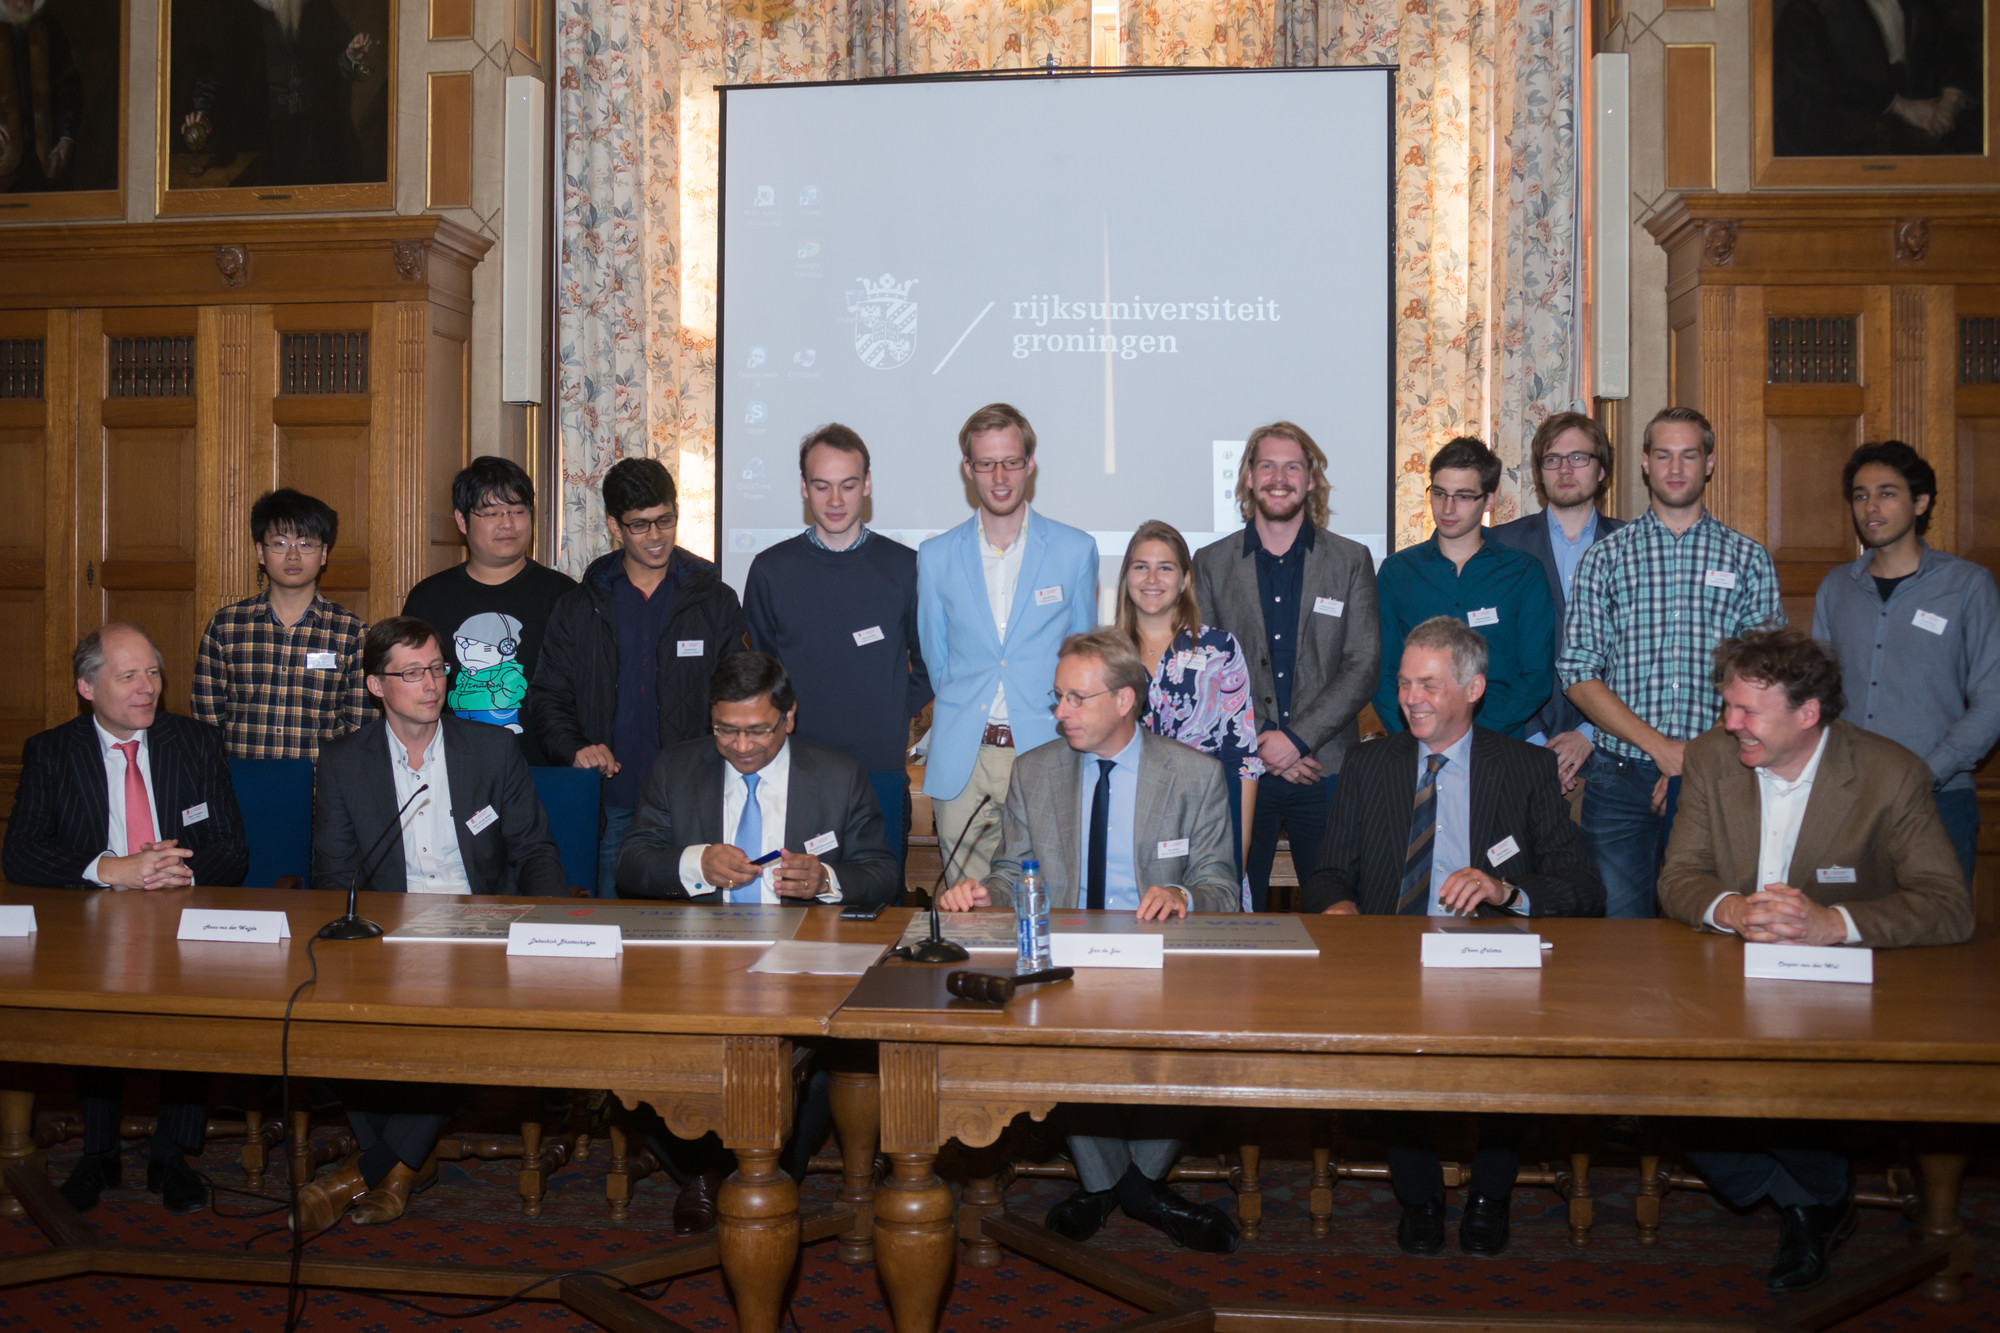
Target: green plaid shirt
<point>1648,608</point>
<point>279,692</point>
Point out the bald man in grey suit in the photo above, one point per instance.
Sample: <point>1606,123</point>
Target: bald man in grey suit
<point>1121,820</point>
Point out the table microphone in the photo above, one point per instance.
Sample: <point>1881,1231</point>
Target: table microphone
<point>352,927</point>
<point>937,949</point>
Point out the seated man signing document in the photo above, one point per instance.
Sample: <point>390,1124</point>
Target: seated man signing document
<point>1795,828</point>
<point>1125,820</point>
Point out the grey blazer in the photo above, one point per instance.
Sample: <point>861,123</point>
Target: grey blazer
<point>1339,657</point>
<point>1180,796</point>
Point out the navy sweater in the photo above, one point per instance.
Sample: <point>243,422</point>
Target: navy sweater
<point>805,606</point>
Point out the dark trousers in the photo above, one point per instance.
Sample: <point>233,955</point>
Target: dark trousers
<point>1416,1174</point>
<point>1300,809</point>
<point>183,1112</point>
<point>892,796</point>
<point>1789,1177</point>
<point>1960,812</point>
<point>396,1123</point>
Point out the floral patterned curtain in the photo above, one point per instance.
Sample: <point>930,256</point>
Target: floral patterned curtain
<point>1486,182</point>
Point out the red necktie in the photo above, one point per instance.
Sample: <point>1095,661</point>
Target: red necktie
<point>138,811</point>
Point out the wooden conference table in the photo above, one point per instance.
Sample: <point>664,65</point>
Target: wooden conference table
<point>1627,1017</point>
<point>683,1027</point>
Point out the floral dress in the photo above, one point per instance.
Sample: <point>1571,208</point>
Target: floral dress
<point>1200,696</point>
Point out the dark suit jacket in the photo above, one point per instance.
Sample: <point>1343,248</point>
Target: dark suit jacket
<point>354,801</point>
<point>1871,812</point>
<point>1531,536</point>
<point>1514,794</point>
<point>62,811</point>
<point>827,793</point>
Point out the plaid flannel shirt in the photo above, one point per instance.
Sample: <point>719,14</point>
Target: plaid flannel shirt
<point>1648,608</point>
<point>255,680</point>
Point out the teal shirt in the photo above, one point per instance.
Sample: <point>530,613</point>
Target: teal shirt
<point>1504,595</point>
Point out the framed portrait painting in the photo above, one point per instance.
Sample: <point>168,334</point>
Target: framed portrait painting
<point>1875,92</point>
<point>276,106</point>
<point>62,109</point>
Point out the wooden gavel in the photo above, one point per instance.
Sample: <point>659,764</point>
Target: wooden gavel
<point>996,988</point>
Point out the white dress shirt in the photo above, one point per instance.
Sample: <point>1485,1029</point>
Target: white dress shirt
<point>1781,809</point>
<point>114,777</point>
<point>774,782</point>
<point>1003,576</point>
<point>431,861</point>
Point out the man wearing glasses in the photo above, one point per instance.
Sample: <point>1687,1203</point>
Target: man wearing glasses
<point>628,652</point>
<point>1494,589</point>
<point>471,823</point>
<point>493,608</point>
<point>996,596</point>
<point>1571,455</point>
<point>280,672</point>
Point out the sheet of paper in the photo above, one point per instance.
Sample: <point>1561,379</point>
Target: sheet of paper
<point>1805,962</point>
<point>1463,948</point>
<point>233,927</point>
<point>1078,949</point>
<point>527,939</point>
<point>17,919</point>
<point>817,957</point>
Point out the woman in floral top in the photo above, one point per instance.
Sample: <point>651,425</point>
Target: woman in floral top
<point>1200,694</point>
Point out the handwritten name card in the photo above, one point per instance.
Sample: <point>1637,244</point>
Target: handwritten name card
<point>1080,949</point>
<point>563,939</point>
<point>1453,949</point>
<point>233,927</point>
<point>1805,962</point>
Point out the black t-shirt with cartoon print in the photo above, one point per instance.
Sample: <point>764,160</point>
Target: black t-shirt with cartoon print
<point>491,635</point>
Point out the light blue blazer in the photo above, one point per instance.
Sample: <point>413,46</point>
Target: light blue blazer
<point>965,655</point>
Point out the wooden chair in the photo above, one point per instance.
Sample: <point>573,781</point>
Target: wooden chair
<point>1899,1193</point>
<point>259,1136</point>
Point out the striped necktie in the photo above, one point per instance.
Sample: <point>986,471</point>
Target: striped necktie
<point>1416,896</point>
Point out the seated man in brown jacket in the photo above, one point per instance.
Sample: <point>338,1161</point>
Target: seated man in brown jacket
<point>1795,828</point>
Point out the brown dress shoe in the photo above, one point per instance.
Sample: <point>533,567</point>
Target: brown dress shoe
<point>323,1201</point>
<point>695,1211</point>
<point>384,1203</point>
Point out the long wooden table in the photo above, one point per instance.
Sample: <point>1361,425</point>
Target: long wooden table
<point>1627,1017</point>
<point>683,1027</point>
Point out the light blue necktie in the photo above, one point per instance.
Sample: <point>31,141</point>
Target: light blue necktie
<point>750,839</point>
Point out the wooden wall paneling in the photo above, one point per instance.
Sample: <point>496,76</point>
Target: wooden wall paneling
<point>448,443</point>
<point>27,426</point>
<point>225,355</point>
<point>331,460</point>
<point>61,359</point>
<point>396,475</point>
<point>448,142</point>
<point>238,575</point>
<point>1938,426</point>
<point>88,471</point>
<point>450,19</point>
<point>1979,473</point>
<point>1689,86</point>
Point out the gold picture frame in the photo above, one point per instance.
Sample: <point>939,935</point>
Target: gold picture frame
<point>1978,126</point>
<point>528,29</point>
<point>98,202</point>
<point>201,174</point>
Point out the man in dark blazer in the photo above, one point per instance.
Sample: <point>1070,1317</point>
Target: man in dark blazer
<point>132,797</point>
<point>1571,457</point>
<point>1795,828</point>
<point>1489,834</point>
<point>470,822</point>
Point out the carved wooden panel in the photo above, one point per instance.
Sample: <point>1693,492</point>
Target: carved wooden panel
<point>1979,350</point>
<point>1813,350</point>
<point>1689,82</point>
<point>1809,524</point>
<point>21,488</point>
<point>323,363</point>
<point>152,367</point>
<point>23,694</point>
<point>756,1092</point>
<point>909,1098</point>
<point>331,462</point>
<point>169,616</point>
<point>21,367</point>
<point>1979,489</point>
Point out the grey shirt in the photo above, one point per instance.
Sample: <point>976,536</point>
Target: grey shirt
<point>1922,669</point>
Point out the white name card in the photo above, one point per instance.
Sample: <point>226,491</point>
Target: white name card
<point>1805,962</point>
<point>1082,950</point>
<point>216,923</point>
<point>564,939</point>
<point>1444,948</point>
<point>17,919</point>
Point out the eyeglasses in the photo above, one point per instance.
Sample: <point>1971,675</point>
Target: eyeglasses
<point>304,546</point>
<point>759,733</point>
<point>645,525</point>
<point>986,465</point>
<point>1057,698</point>
<point>501,511</point>
<point>415,675</point>
<point>1574,462</point>
<point>1456,497</point>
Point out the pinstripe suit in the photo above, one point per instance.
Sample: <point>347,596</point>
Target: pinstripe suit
<point>1515,794</point>
<point>62,811</point>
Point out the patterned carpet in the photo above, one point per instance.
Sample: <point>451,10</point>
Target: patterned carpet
<point>1707,1262</point>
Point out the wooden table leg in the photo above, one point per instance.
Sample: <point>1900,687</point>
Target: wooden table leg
<point>1581,1209</point>
<point>1249,1191</point>
<point>759,1237</point>
<point>1942,1173</point>
<point>857,1120</point>
<point>913,1240</point>
<point>17,1143</point>
<point>1319,1203</point>
<point>617,1183</point>
<point>1646,1207</point>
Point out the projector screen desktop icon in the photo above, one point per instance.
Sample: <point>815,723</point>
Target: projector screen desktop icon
<point>885,321</point>
<point>804,357</point>
<point>756,414</point>
<point>758,356</point>
<point>809,196</point>
<point>766,197</point>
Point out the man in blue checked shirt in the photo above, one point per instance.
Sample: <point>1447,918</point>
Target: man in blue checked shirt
<point>1651,602</point>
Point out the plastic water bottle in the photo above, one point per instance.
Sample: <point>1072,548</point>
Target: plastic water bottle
<point>1031,920</point>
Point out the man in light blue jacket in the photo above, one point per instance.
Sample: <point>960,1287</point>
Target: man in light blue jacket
<point>996,596</point>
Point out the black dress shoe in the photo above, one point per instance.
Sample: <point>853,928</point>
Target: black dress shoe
<point>1190,1225</point>
<point>1807,1238</point>
<point>695,1210</point>
<point>181,1190</point>
<point>1482,1227</point>
<point>1079,1217</point>
<point>1421,1232</point>
<point>94,1174</point>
